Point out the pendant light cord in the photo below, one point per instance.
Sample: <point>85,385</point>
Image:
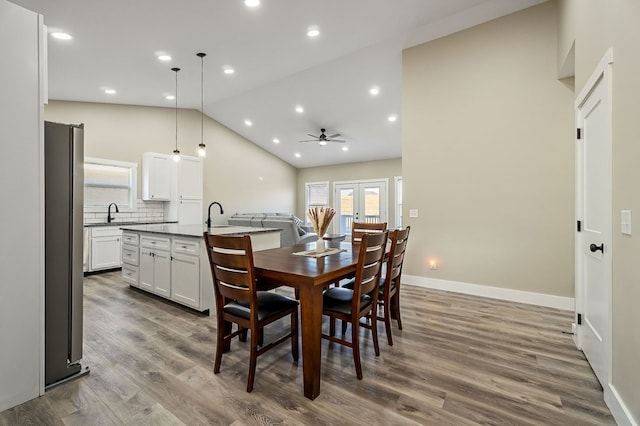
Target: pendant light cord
<point>176,108</point>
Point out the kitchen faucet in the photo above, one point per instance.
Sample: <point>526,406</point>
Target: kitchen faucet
<point>109,218</point>
<point>209,213</point>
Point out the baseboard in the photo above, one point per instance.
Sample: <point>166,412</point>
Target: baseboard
<point>558,302</point>
<point>617,407</point>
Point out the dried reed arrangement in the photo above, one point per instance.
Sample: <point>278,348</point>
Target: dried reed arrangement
<point>320,219</point>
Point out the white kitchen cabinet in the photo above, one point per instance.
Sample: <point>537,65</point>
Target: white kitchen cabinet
<point>155,265</point>
<point>185,205</point>
<point>105,248</point>
<point>156,176</point>
<point>185,279</point>
<point>131,258</point>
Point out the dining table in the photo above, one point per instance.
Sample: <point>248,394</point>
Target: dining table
<point>309,275</point>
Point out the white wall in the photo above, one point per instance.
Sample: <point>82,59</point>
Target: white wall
<point>22,218</point>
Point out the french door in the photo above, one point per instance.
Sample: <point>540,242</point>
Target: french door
<point>360,201</point>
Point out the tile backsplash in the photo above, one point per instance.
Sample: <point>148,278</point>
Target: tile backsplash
<point>144,211</point>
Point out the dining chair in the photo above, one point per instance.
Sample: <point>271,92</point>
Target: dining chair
<point>360,228</point>
<point>349,305</point>
<point>389,293</point>
<point>239,302</point>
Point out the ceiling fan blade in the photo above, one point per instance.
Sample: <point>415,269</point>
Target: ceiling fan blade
<point>333,136</point>
<point>313,136</point>
<point>310,140</point>
<point>337,140</point>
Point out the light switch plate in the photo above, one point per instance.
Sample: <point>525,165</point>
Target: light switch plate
<point>413,213</point>
<point>625,222</point>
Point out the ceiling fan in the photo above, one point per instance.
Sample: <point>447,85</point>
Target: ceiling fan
<point>323,139</point>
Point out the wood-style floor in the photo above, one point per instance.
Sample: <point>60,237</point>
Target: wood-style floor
<point>460,360</point>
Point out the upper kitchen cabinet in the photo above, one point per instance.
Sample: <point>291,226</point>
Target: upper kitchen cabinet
<point>185,205</point>
<point>156,176</point>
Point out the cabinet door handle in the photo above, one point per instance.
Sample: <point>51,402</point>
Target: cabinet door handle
<point>118,239</point>
<point>184,247</point>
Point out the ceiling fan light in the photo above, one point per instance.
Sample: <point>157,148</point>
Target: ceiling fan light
<point>323,143</point>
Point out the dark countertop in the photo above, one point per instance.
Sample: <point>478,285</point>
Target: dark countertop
<point>195,230</point>
<point>155,222</point>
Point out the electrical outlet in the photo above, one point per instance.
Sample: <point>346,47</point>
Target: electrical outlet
<point>413,213</point>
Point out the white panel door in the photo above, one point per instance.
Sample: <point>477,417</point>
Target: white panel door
<point>593,242</point>
<point>362,201</point>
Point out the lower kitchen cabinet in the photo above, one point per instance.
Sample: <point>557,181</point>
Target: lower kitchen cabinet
<point>105,248</point>
<point>155,271</point>
<point>185,279</point>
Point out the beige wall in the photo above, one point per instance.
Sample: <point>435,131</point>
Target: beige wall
<point>600,25</point>
<point>488,156</point>
<point>233,166</point>
<point>384,169</point>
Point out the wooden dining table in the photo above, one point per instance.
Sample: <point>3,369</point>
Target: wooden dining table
<point>309,275</point>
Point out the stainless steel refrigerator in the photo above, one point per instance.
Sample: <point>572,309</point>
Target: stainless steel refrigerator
<point>64,185</point>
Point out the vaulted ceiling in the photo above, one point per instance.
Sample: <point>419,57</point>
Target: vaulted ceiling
<point>115,45</point>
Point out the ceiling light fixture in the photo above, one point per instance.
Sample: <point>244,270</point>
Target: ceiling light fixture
<point>252,3</point>
<point>374,90</point>
<point>176,152</point>
<point>393,118</point>
<point>170,97</point>
<point>248,123</point>
<point>276,140</point>
<point>299,109</point>
<point>313,31</point>
<point>164,58</point>
<point>297,154</point>
<point>110,91</point>
<point>227,69</point>
<point>202,148</point>
<point>61,36</point>
<point>322,143</point>
<point>345,148</point>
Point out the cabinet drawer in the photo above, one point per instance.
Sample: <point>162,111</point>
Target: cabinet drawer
<point>105,231</point>
<point>130,274</point>
<point>186,246</point>
<point>131,239</point>
<point>130,255</point>
<point>159,243</point>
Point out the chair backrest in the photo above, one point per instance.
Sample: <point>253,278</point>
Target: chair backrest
<point>370,258</point>
<point>360,228</point>
<point>231,260</point>
<point>398,238</point>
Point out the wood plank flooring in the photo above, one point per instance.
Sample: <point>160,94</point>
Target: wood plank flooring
<point>461,360</point>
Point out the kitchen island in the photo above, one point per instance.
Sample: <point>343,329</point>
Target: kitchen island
<point>170,260</point>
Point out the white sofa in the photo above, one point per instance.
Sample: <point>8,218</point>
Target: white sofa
<point>292,230</point>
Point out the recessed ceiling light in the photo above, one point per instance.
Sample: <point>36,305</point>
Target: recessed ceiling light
<point>299,109</point>
<point>170,97</point>
<point>228,70</point>
<point>313,31</point>
<point>392,118</point>
<point>374,90</point>
<point>297,154</point>
<point>248,123</point>
<point>345,148</point>
<point>276,140</point>
<point>164,58</point>
<point>61,36</point>
<point>109,91</point>
<point>252,3</point>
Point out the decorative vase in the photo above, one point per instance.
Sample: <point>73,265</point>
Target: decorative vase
<point>320,245</point>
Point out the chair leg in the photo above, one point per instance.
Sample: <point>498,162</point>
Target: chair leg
<point>344,327</point>
<point>294,335</point>
<point>252,360</point>
<point>332,326</point>
<point>396,308</point>
<point>355,342</point>
<point>387,322</point>
<point>222,344</point>
<point>374,331</point>
<point>260,337</point>
<point>297,294</point>
<point>243,335</point>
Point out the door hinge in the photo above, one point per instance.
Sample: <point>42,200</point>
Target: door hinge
<point>578,133</point>
<point>579,319</point>
<point>579,226</point>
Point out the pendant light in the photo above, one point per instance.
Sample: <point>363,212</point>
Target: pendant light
<point>176,152</point>
<point>202,148</point>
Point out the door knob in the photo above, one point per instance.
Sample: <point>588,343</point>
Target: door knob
<point>594,248</point>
